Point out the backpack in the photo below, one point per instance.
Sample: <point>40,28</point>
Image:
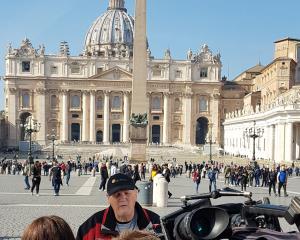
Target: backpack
<point>282,176</point>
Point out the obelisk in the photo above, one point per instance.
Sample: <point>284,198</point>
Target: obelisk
<point>139,102</point>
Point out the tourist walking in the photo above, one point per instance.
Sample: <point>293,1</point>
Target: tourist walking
<point>197,179</point>
<point>136,174</point>
<point>272,181</point>
<point>68,170</point>
<point>143,171</point>
<point>257,174</point>
<point>212,179</point>
<point>55,173</point>
<point>104,176</point>
<point>26,174</point>
<point>36,177</point>
<point>282,180</point>
<point>227,175</point>
<point>244,179</point>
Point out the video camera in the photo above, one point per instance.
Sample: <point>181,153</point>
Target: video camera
<point>201,220</point>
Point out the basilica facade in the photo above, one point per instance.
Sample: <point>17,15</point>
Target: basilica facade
<point>87,98</point>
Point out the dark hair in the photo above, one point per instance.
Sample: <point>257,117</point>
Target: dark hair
<point>48,228</point>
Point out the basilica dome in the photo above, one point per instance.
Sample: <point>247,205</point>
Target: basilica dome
<point>112,33</point>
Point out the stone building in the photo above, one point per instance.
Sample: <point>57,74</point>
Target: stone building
<point>3,130</point>
<point>273,102</point>
<point>87,98</point>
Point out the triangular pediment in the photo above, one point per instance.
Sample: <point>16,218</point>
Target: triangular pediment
<point>115,73</point>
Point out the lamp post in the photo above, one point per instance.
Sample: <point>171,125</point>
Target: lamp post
<point>210,125</point>
<point>52,137</point>
<point>30,126</point>
<point>253,133</point>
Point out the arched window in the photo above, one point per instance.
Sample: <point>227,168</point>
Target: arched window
<point>75,101</point>
<point>25,100</point>
<point>53,101</point>
<point>177,105</point>
<point>116,103</point>
<point>99,103</point>
<point>203,104</point>
<point>156,103</point>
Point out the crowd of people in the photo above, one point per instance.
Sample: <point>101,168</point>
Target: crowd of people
<point>125,218</point>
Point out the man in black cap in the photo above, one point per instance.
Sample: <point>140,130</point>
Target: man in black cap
<point>124,213</point>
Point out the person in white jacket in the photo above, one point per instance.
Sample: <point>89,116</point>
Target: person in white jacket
<point>113,169</point>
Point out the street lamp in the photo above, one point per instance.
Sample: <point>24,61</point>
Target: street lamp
<point>253,133</point>
<point>52,137</point>
<point>30,126</point>
<point>210,141</point>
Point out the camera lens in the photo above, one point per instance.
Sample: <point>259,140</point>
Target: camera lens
<point>203,223</point>
<point>200,226</point>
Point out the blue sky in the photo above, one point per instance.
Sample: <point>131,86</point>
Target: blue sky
<point>243,31</point>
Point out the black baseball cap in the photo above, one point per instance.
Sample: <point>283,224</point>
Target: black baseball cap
<point>119,182</point>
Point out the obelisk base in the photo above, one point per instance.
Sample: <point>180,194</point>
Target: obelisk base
<point>138,138</point>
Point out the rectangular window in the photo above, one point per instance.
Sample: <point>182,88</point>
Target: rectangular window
<point>155,117</point>
<point>156,72</point>
<point>178,74</point>
<point>203,105</point>
<point>75,69</point>
<point>99,70</point>
<point>99,116</point>
<point>203,72</point>
<point>25,66</point>
<point>75,116</point>
<point>54,70</point>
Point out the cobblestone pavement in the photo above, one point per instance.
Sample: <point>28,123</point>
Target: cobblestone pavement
<point>18,207</point>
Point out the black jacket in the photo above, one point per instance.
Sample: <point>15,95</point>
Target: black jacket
<point>102,224</point>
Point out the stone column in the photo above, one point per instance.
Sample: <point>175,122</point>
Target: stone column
<point>65,117</point>
<point>279,142</point>
<point>139,103</point>
<point>166,123</point>
<point>139,83</point>
<point>149,140</point>
<point>215,112</point>
<point>288,142</point>
<point>126,117</point>
<point>92,117</point>
<point>106,118</point>
<point>41,115</point>
<point>12,117</point>
<point>187,109</point>
<point>271,142</point>
<point>84,137</point>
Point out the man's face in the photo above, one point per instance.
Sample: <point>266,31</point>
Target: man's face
<point>123,203</point>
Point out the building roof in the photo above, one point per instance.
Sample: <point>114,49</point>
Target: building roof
<point>287,39</point>
<point>256,69</point>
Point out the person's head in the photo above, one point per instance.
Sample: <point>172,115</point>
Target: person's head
<point>48,228</point>
<point>136,235</point>
<point>122,196</point>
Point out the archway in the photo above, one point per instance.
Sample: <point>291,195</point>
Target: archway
<point>156,133</point>
<point>23,118</point>
<point>201,130</point>
<point>99,136</point>
<point>75,132</point>
<point>116,132</point>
